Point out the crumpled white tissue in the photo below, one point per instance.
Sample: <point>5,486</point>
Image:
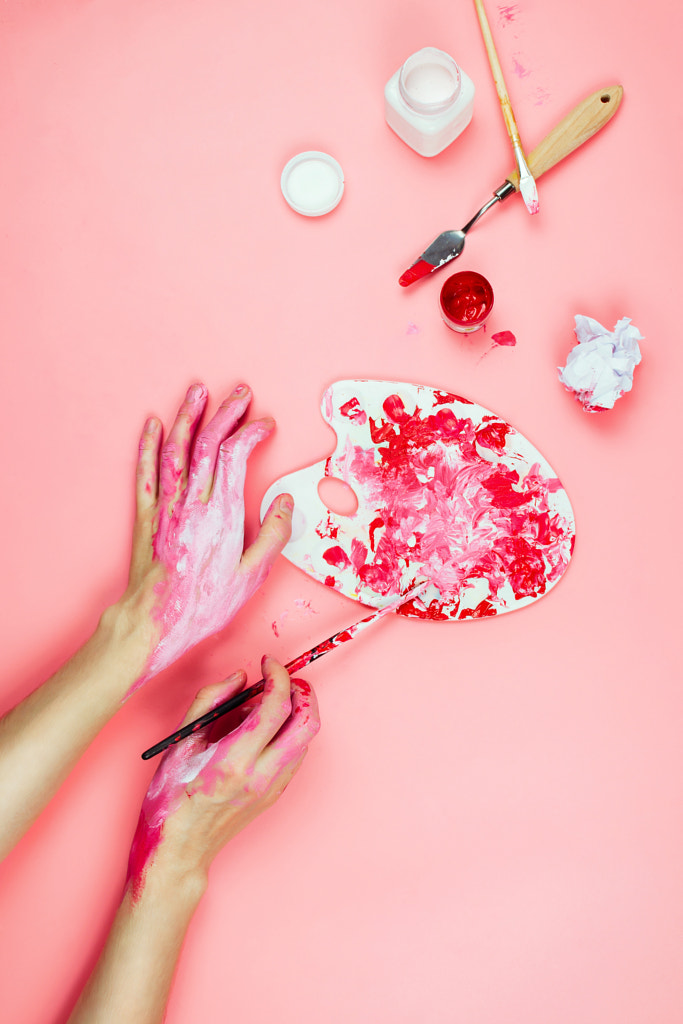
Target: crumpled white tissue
<point>600,368</point>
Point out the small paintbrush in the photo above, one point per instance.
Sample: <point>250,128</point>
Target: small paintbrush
<point>527,185</point>
<point>336,640</point>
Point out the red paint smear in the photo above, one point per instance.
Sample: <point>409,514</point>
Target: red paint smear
<point>328,528</point>
<point>446,398</point>
<point>483,610</point>
<point>494,434</point>
<point>415,273</point>
<point>504,338</point>
<point>143,847</point>
<point>337,556</point>
<point>421,611</point>
<point>352,409</point>
<point>375,525</point>
<point>449,513</point>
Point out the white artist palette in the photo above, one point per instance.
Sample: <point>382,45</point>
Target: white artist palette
<point>447,492</point>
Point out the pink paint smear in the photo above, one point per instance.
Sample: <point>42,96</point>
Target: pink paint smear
<point>446,492</point>
<point>301,606</point>
<point>199,540</point>
<point>194,766</point>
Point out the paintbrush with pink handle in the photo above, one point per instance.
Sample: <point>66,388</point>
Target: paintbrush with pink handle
<point>332,642</point>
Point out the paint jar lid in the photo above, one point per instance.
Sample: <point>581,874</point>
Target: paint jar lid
<point>312,183</point>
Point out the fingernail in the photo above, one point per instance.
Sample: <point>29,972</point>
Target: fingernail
<point>195,392</point>
<point>286,504</point>
<point>241,389</point>
<point>151,425</point>
<point>265,664</point>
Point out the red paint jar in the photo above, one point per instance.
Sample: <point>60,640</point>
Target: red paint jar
<point>466,301</point>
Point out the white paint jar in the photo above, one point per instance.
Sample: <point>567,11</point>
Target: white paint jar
<point>429,101</point>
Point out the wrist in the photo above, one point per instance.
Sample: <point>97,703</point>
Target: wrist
<point>165,880</point>
<point>131,634</point>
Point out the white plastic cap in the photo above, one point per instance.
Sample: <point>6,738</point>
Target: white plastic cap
<point>312,183</point>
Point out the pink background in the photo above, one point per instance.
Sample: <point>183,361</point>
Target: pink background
<point>489,826</point>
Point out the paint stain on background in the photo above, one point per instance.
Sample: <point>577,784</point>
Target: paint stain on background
<point>511,20</point>
<point>302,608</point>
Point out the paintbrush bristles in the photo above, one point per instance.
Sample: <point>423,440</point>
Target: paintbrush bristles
<point>527,185</point>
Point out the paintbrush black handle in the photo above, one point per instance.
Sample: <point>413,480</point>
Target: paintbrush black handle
<point>221,709</point>
<point>341,637</point>
<point>252,691</point>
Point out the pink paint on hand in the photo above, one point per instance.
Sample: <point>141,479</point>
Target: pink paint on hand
<point>196,766</point>
<point>447,492</point>
<point>199,540</point>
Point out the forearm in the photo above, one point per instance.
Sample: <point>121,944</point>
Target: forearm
<point>42,737</point>
<point>133,977</point>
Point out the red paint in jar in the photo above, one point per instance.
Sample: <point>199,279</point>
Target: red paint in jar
<point>466,301</point>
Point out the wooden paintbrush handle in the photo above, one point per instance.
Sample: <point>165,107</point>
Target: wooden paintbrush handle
<point>497,72</point>
<point>575,129</point>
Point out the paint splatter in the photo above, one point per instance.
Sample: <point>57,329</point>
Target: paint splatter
<point>412,328</point>
<point>302,607</point>
<point>500,339</point>
<point>504,338</point>
<point>447,492</point>
<point>353,411</point>
<point>519,69</point>
<point>540,95</point>
<point>507,13</point>
<point>511,19</point>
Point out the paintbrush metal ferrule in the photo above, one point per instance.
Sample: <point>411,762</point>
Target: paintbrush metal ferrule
<point>324,647</point>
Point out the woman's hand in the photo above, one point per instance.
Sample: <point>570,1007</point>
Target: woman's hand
<point>203,793</point>
<point>200,797</point>
<point>188,569</point>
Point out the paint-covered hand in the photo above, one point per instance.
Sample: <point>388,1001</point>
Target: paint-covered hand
<point>189,535</point>
<point>204,793</point>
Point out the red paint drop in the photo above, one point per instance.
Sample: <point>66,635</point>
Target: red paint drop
<point>504,338</point>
